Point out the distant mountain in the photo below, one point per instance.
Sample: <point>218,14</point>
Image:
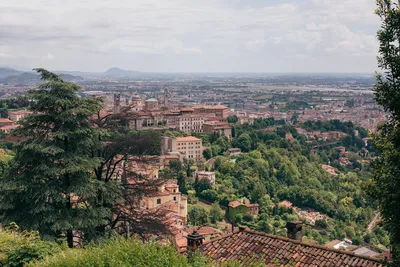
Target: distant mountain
<point>6,72</point>
<point>33,78</point>
<point>120,72</point>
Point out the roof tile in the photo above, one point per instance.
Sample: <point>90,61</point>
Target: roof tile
<point>242,246</point>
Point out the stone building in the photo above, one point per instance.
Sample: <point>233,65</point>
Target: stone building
<point>188,147</point>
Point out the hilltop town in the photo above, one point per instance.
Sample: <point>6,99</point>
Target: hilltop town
<point>212,150</point>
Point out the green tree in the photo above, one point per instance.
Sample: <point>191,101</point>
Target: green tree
<point>176,166</point>
<point>197,215</point>
<point>321,223</point>
<point>258,193</point>
<point>215,213</point>
<point>207,153</point>
<point>201,185</point>
<point>233,119</point>
<point>386,182</point>
<point>244,142</point>
<point>182,177</point>
<point>49,186</point>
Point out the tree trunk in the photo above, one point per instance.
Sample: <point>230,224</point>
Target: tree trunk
<point>70,239</point>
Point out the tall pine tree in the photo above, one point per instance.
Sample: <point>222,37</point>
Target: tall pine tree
<point>386,183</point>
<point>49,187</point>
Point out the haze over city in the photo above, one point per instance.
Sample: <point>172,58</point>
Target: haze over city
<point>200,133</point>
<point>190,35</point>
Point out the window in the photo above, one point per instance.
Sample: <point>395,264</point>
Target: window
<point>174,198</point>
<point>158,201</point>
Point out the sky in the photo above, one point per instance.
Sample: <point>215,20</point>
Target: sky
<point>190,35</point>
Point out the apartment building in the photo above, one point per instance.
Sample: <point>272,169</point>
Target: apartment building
<point>186,123</point>
<point>188,147</point>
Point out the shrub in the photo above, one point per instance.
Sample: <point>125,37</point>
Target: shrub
<point>247,217</point>
<point>321,224</point>
<point>18,249</point>
<point>121,252</point>
<point>116,252</point>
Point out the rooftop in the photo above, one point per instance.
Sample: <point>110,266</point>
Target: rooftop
<point>188,139</point>
<point>235,204</point>
<point>248,246</point>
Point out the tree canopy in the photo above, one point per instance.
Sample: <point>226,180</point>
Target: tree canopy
<point>386,184</point>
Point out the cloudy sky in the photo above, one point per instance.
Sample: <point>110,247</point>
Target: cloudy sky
<point>190,35</point>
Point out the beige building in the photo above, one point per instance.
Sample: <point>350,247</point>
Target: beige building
<point>18,115</point>
<point>190,123</point>
<point>168,197</point>
<point>218,110</point>
<point>223,128</point>
<point>151,104</point>
<point>203,175</point>
<point>187,123</point>
<point>188,147</point>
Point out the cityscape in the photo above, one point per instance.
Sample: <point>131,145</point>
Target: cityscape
<point>226,167</point>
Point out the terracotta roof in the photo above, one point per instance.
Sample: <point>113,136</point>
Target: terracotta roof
<point>5,120</point>
<point>286,204</point>
<point>248,246</point>
<point>235,204</point>
<point>187,139</point>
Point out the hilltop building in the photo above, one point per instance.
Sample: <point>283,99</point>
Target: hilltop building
<point>186,147</point>
<point>236,207</point>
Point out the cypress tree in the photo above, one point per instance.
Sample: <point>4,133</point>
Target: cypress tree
<point>49,186</point>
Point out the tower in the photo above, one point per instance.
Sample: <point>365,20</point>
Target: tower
<point>136,100</point>
<point>167,96</point>
<point>117,103</point>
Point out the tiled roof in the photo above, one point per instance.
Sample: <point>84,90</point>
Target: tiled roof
<point>235,204</point>
<point>187,139</point>
<point>248,246</point>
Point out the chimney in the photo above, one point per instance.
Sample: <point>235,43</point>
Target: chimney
<point>242,228</point>
<point>294,230</point>
<point>194,241</point>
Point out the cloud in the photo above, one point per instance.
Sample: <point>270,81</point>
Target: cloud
<point>50,56</point>
<point>190,35</point>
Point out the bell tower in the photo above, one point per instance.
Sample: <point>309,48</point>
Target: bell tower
<point>167,96</point>
<point>117,103</point>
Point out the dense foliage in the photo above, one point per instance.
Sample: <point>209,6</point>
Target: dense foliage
<point>122,252</point>
<point>273,169</point>
<point>18,249</point>
<point>15,103</point>
<point>64,179</point>
<point>49,181</point>
<point>386,186</point>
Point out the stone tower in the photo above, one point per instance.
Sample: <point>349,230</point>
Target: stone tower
<point>167,96</point>
<point>117,103</point>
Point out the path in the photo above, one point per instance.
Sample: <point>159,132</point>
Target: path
<point>374,222</point>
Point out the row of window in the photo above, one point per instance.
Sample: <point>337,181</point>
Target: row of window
<point>159,200</point>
